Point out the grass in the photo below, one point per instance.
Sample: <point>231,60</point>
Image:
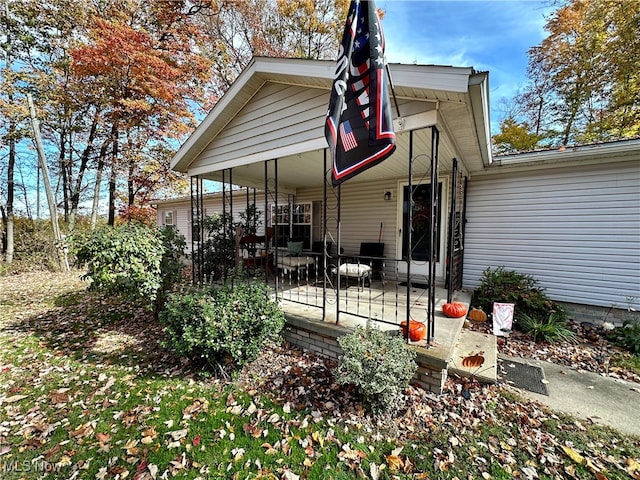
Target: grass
<point>626,360</point>
<point>86,391</point>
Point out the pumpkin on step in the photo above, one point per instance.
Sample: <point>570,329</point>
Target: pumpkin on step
<point>477,315</point>
<point>454,309</point>
<point>417,330</point>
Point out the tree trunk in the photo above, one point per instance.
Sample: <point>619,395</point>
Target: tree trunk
<point>96,189</point>
<point>84,161</point>
<point>62,159</point>
<point>53,211</point>
<point>11,134</point>
<point>113,179</point>
<point>9,251</point>
<point>130,189</point>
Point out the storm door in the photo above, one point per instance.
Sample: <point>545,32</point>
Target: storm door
<point>418,224</point>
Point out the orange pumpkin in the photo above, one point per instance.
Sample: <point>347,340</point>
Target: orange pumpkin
<point>417,330</point>
<point>477,315</point>
<point>454,309</point>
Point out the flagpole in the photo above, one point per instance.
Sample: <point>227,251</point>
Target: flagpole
<point>393,92</point>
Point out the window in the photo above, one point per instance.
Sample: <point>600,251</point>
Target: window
<point>293,222</point>
<point>168,218</point>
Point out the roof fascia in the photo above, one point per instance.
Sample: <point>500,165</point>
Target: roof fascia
<point>479,94</point>
<point>625,150</point>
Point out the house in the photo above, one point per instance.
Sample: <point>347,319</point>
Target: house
<point>441,208</point>
<point>176,211</point>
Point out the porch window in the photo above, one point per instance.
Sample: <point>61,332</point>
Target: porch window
<point>293,222</point>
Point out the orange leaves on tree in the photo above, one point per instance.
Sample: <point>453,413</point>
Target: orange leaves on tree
<point>139,72</point>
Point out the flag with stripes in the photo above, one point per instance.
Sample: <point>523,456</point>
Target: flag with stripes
<point>359,127</point>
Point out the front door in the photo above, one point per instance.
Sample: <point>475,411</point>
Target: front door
<point>419,226</point>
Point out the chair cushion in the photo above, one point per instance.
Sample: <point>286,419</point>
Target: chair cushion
<point>294,249</point>
<point>294,262</point>
<point>354,269</point>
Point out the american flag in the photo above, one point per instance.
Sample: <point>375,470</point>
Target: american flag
<point>359,125</point>
<point>348,138</point>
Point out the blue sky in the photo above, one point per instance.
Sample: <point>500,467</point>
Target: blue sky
<point>492,35</point>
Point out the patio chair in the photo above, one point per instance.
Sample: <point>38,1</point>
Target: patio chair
<point>295,260</point>
<point>253,251</point>
<point>371,254</point>
<point>364,266</point>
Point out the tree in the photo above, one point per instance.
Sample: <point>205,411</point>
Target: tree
<point>118,84</point>
<point>144,73</point>
<point>584,77</point>
<point>515,137</point>
<point>277,28</point>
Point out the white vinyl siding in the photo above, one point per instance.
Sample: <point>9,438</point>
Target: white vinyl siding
<point>366,216</point>
<point>575,230</point>
<point>279,115</point>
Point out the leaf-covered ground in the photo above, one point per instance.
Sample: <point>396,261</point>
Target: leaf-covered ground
<point>590,351</point>
<point>87,391</point>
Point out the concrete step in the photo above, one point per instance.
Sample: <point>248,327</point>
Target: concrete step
<point>470,344</point>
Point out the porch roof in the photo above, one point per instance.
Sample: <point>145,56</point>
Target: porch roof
<point>455,99</point>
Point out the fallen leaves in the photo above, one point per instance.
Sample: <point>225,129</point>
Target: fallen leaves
<point>133,412</point>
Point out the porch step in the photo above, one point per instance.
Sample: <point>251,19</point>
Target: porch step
<point>472,343</point>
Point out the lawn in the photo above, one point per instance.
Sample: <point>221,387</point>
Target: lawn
<point>87,391</point>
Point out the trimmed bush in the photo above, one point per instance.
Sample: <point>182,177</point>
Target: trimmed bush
<point>222,327</point>
<point>505,286</point>
<point>379,365</point>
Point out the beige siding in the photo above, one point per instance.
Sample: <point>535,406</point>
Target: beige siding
<point>212,205</point>
<point>279,115</point>
<point>576,230</point>
<point>363,211</point>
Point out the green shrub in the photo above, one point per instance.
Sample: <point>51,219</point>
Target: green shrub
<point>218,249</point>
<point>171,264</point>
<point>378,364</point>
<point>627,336</point>
<point>552,328</point>
<point>219,327</point>
<point>122,260</point>
<point>504,286</point>
<point>133,260</point>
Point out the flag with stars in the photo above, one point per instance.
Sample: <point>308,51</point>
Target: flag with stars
<point>359,128</point>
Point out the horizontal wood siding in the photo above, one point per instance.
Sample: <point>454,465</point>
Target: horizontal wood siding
<point>279,115</point>
<point>577,231</point>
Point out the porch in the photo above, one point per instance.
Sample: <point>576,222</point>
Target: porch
<point>384,305</point>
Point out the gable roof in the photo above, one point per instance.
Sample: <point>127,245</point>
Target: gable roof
<point>459,94</point>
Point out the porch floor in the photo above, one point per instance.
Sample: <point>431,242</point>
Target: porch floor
<point>385,306</point>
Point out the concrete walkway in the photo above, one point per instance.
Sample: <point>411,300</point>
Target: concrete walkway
<point>603,400</point>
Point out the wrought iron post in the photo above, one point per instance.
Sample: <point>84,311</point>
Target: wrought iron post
<point>452,228</point>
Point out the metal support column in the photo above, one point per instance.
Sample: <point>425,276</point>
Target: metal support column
<point>338,231</point>
<point>197,231</point>
<point>324,235</point>
<point>408,232</point>
<point>452,233</point>
<point>431,311</point>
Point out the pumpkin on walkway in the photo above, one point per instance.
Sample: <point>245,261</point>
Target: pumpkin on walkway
<point>417,330</point>
<point>477,315</point>
<point>454,309</point>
